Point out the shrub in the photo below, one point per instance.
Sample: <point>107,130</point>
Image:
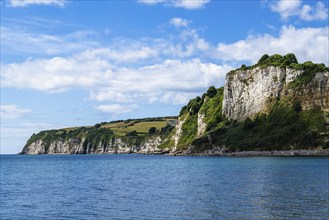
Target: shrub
<point>243,67</point>
<point>263,59</point>
<point>211,92</point>
<point>152,130</point>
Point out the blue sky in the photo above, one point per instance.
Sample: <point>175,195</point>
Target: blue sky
<point>68,63</point>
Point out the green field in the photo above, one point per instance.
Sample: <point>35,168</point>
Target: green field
<point>121,128</point>
<point>141,126</point>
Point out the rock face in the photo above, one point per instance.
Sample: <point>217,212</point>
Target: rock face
<point>201,124</point>
<point>314,94</point>
<point>246,92</point>
<point>76,146</point>
<point>178,132</point>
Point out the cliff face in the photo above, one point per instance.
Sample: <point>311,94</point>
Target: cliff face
<point>276,104</point>
<point>314,94</point>
<point>77,146</point>
<point>118,137</point>
<point>247,92</point>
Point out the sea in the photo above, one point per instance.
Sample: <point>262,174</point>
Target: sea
<point>163,187</point>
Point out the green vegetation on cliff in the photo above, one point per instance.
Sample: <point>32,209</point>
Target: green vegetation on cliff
<point>189,131</point>
<point>92,136</point>
<point>285,126</point>
<point>132,132</point>
<point>308,68</point>
<point>210,105</point>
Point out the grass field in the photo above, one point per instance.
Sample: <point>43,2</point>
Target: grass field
<point>141,127</point>
<point>122,128</point>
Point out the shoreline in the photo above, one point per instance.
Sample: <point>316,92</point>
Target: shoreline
<point>219,153</point>
<point>254,153</point>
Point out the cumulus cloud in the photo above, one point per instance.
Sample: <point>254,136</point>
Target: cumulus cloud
<point>287,8</point>
<point>24,3</point>
<point>309,13</point>
<point>12,111</point>
<point>172,78</point>
<point>306,43</point>
<point>306,12</point>
<point>186,4</point>
<point>121,55</point>
<point>116,109</point>
<point>179,22</point>
<point>55,74</point>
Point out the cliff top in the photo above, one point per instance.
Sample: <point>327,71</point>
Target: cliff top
<point>287,61</point>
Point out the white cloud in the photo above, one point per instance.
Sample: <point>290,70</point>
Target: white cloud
<point>305,43</point>
<point>116,109</point>
<point>24,3</point>
<point>121,55</point>
<point>12,111</point>
<point>20,41</point>
<point>172,81</point>
<point>171,78</point>
<point>190,4</point>
<point>306,12</point>
<point>319,13</point>
<point>185,43</point>
<point>179,22</point>
<point>55,74</point>
<point>287,8</point>
<point>186,4</point>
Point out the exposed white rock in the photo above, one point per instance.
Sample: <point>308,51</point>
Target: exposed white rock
<point>201,124</point>
<point>34,148</point>
<point>247,92</point>
<point>151,146</point>
<point>75,146</point>
<point>178,132</point>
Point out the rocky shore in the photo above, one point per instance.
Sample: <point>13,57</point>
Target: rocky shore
<point>274,153</point>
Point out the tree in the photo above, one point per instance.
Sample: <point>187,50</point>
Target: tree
<point>184,108</point>
<point>195,106</point>
<point>263,59</point>
<point>243,67</point>
<point>152,130</point>
<point>211,92</point>
<point>198,99</point>
<point>289,58</point>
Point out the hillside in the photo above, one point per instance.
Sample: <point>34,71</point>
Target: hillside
<point>276,104</point>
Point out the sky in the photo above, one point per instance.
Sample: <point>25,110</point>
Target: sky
<point>67,63</point>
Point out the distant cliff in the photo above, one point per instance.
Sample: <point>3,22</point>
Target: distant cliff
<point>121,137</point>
<point>276,104</point>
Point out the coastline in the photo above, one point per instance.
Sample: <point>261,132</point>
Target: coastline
<point>220,153</point>
<point>274,153</point>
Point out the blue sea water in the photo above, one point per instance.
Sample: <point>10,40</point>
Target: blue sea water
<point>163,187</point>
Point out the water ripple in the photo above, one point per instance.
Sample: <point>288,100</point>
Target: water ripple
<point>160,187</point>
